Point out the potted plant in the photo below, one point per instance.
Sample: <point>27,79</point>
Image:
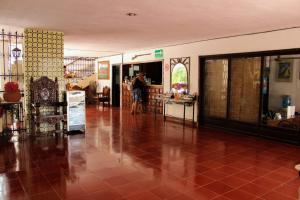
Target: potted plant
<point>11,92</point>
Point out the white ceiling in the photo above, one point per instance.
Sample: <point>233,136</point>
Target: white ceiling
<point>102,25</point>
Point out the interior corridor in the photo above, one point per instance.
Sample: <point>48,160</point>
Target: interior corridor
<point>139,158</point>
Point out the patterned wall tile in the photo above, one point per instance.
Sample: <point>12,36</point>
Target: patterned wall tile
<point>43,57</point>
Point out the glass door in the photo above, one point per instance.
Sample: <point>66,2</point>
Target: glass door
<point>215,86</point>
<point>232,89</point>
<point>245,89</point>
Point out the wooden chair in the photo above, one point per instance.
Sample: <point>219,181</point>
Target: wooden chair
<point>91,93</point>
<point>104,96</point>
<point>45,106</point>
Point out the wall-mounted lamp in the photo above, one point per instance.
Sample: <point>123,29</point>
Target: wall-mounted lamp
<point>139,55</point>
<point>16,51</point>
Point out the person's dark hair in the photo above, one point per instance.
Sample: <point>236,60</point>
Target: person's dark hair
<point>141,73</point>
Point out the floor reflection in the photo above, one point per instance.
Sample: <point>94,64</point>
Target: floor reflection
<point>133,157</point>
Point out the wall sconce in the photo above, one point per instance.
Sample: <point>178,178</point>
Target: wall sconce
<point>16,51</point>
<point>139,55</point>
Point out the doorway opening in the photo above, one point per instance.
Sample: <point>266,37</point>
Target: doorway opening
<point>116,85</point>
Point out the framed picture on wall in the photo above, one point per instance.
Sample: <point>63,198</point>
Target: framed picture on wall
<point>284,71</point>
<point>180,71</point>
<point>103,70</point>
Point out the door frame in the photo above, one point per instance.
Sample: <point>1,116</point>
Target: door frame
<point>254,129</point>
<point>112,82</point>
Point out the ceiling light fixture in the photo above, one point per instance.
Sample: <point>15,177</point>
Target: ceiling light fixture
<point>130,14</point>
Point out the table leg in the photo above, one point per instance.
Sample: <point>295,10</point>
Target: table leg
<point>22,117</point>
<point>5,118</point>
<point>184,114</point>
<point>165,111</point>
<point>193,114</point>
<point>155,107</point>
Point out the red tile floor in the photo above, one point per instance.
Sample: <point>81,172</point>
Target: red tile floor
<point>138,158</point>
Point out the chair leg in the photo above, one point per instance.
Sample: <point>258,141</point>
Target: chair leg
<point>38,128</point>
<point>33,127</point>
<point>57,126</point>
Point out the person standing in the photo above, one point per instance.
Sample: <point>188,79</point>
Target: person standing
<point>138,84</point>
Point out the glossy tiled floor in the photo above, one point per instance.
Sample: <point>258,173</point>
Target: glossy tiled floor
<point>137,158</point>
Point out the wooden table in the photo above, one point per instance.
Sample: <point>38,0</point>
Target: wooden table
<point>11,106</point>
<point>184,102</point>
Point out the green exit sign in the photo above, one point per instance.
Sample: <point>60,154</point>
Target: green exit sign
<point>159,53</point>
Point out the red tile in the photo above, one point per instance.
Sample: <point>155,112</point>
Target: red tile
<point>45,196</point>
<point>138,158</point>
<point>218,187</point>
<point>200,180</point>
<point>69,191</point>
<point>246,176</point>
<point>228,170</point>
<point>276,196</point>
<point>221,198</point>
<point>239,195</point>
<point>38,188</point>
<point>106,194</point>
<point>182,197</point>
<point>258,171</point>
<point>214,174</point>
<point>201,169</point>
<point>234,181</point>
<point>129,189</point>
<point>291,191</point>
<point>14,196</point>
<point>116,181</point>
<point>255,189</point>
<point>202,193</point>
<point>144,196</point>
<point>265,182</point>
<point>165,192</point>
<point>93,186</point>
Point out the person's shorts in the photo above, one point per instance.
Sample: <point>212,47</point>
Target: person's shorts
<point>137,94</point>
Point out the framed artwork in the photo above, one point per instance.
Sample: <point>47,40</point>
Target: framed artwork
<point>284,71</point>
<point>180,70</point>
<point>103,70</point>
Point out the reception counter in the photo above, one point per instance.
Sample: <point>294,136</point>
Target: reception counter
<point>149,99</point>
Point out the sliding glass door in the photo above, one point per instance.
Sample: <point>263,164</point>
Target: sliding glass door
<point>215,86</point>
<point>245,89</point>
<point>232,89</point>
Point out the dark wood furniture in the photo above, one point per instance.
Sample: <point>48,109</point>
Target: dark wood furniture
<point>16,110</point>
<point>91,93</point>
<point>104,96</point>
<point>151,91</point>
<point>184,102</point>
<point>45,106</point>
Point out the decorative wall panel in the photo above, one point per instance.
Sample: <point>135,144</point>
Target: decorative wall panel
<point>44,56</point>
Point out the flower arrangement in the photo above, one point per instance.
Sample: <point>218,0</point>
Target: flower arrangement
<point>179,86</point>
<point>11,87</point>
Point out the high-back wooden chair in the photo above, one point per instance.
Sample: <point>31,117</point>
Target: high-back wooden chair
<point>44,104</point>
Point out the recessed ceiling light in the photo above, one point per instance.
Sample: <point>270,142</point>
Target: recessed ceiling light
<point>130,14</point>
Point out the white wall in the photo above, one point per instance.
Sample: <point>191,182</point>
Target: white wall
<point>285,39</point>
